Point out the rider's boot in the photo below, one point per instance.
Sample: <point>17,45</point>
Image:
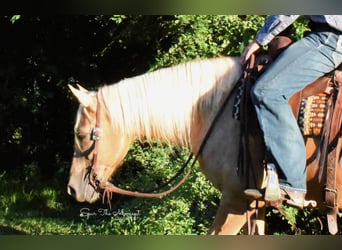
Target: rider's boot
<point>275,195</point>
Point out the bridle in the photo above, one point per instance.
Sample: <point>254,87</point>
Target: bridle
<point>109,188</point>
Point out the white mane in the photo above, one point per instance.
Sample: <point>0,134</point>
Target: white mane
<point>163,104</point>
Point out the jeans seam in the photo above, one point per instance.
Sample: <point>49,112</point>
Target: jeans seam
<point>326,41</point>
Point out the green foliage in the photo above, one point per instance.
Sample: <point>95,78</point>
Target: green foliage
<point>183,212</point>
<point>15,18</point>
<point>300,27</point>
<point>189,210</point>
<point>296,222</point>
<point>195,36</point>
<point>35,130</point>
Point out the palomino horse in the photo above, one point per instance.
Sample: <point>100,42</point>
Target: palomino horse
<point>176,105</point>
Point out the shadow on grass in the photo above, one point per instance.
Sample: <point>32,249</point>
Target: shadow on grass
<point>5,230</point>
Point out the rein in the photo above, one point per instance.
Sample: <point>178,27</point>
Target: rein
<point>109,188</point>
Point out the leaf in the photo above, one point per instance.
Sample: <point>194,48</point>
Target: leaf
<point>15,18</point>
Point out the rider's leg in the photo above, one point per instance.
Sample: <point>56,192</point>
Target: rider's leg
<point>300,64</point>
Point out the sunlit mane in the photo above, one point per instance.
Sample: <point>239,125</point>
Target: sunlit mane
<point>162,104</point>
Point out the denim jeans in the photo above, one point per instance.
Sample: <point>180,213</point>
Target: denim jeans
<point>300,64</point>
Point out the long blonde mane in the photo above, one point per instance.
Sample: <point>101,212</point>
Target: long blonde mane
<point>164,103</point>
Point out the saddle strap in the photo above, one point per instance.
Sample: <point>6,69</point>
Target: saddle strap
<point>336,119</point>
<point>323,150</point>
<point>331,192</point>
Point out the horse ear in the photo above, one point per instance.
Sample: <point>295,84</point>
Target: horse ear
<point>81,88</point>
<point>83,97</point>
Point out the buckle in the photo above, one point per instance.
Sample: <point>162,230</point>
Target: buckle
<point>96,134</point>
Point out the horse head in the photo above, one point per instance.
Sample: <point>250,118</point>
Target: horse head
<point>98,149</point>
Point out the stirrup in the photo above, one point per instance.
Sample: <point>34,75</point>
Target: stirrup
<point>272,192</point>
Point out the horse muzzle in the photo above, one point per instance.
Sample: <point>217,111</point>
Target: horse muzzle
<point>82,192</point>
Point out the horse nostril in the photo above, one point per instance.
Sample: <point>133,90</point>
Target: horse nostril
<point>71,191</point>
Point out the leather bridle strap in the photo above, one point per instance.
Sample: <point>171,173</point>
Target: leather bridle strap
<point>96,136</point>
<point>109,188</point>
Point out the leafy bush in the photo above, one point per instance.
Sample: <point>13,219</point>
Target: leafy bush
<point>188,37</point>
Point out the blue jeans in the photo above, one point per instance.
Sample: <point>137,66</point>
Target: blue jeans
<point>300,64</point>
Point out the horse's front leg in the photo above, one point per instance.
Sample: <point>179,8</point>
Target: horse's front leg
<point>231,217</point>
<point>257,215</point>
<point>260,221</point>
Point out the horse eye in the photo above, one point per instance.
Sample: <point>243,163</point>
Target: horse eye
<point>81,135</point>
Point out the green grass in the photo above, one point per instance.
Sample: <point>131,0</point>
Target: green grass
<point>34,206</point>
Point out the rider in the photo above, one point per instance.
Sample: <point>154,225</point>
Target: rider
<point>319,52</point>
